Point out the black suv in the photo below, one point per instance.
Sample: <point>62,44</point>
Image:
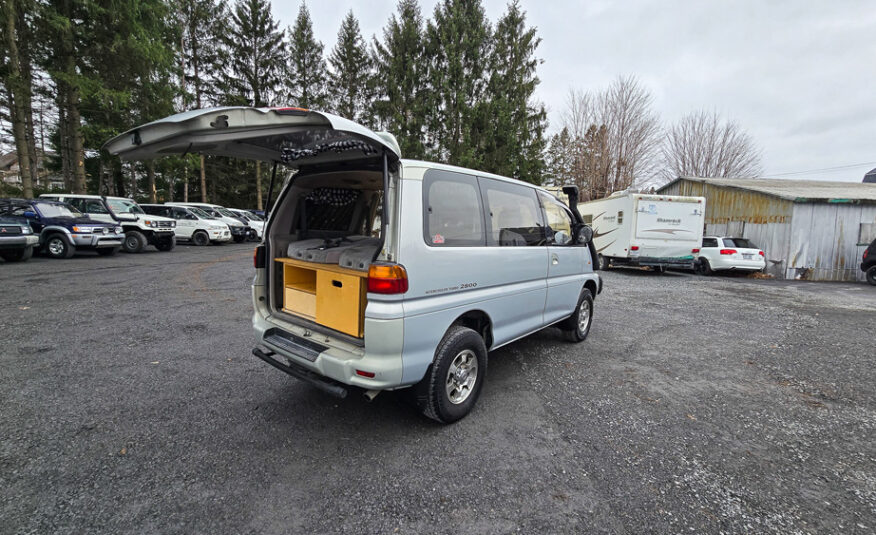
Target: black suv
<point>17,240</point>
<point>63,229</point>
<point>868,263</point>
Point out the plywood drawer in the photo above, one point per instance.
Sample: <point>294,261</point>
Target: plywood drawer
<point>300,302</point>
<point>340,302</point>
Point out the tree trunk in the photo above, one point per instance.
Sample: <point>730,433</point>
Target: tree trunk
<point>17,90</point>
<point>185,182</point>
<point>259,184</point>
<point>74,122</point>
<point>203,179</point>
<point>64,146</point>
<point>150,174</point>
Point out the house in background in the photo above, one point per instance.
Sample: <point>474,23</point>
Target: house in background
<point>811,230</point>
<point>9,173</point>
<point>870,177</point>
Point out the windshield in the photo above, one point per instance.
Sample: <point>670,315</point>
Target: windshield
<point>200,213</point>
<point>742,243</point>
<point>227,213</point>
<point>254,217</point>
<point>120,206</point>
<point>57,210</point>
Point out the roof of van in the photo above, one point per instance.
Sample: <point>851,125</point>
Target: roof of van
<point>446,167</point>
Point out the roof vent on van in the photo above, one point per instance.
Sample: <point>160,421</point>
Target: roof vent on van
<point>390,140</point>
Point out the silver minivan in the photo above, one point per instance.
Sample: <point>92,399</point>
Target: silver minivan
<point>382,273</point>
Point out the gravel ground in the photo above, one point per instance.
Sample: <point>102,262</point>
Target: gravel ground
<point>130,403</point>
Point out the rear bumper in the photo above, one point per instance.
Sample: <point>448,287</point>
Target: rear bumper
<point>18,242</point>
<point>737,265</point>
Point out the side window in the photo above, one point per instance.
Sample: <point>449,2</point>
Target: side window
<point>78,204</point>
<point>92,207</point>
<point>513,214</point>
<point>559,219</point>
<point>620,218</point>
<point>588,219</point>
<point>710,242</point>
<point>452,205</point>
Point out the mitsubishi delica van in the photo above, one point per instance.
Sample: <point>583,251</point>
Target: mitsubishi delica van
<point>378,273</point>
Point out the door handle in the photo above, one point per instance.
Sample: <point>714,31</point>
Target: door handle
<point>555,259</point>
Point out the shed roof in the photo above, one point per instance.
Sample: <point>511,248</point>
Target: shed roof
<point>800,191</point>
<point>870,176</point>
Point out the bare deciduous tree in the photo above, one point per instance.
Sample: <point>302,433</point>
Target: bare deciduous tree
<point>613,137</point>
<point>701,144</point>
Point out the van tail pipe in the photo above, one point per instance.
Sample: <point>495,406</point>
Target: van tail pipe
<point>370,394</point>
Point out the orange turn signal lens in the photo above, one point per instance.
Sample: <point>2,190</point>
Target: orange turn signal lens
<point>387,279</point>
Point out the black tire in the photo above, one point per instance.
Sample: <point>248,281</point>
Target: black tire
<point>200,238</point>
<point>134,241</point>
<point>603,262</point>
<point>240,238</point>
<point>108,251</point>
<point>18,255</point>
<point>572,326</point>
<point>462,349</point>
<point>166,245</point>
<point>871,275</point>
<point>57,247</point>
<point>702,267</point>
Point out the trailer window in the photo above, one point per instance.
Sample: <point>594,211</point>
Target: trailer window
<point>620,217</point>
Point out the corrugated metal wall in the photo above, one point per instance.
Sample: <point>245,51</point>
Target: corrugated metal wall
<point>815,240</point>
<point>824,240</point>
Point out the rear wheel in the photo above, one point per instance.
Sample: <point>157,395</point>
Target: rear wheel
<point>603,262</point>
<point>108,251</point>
<point>200,238</point>
<point>57,247</point>
<point>134,242</point>
<point>18,255</point>
<point>702,267</point>
<point>871,275</point>
<point>240,238</point>
<point>166,245</point>
<point>577,326</point>
<point>456,377</point>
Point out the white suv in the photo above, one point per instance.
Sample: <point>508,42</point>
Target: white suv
<point>140,229</point>
<point>722,253</point>
<point>192,224</point>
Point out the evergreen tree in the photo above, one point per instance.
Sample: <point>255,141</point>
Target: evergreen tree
<point>457,49</point>
<point>306,69</point>
<point>15,72</point>
<point>401,105</point>
<point>202,54</point>
<point>352,78</point>
<point>257,55</point>
<point>513,143</point>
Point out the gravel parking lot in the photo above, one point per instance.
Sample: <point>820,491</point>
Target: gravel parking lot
<point>130,403</point>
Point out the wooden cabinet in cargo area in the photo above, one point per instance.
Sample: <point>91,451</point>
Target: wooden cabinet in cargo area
<point>325,293</point>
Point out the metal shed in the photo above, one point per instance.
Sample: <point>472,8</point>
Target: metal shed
<point>811,230</point>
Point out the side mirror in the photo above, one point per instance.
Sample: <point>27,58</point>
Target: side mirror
<point>585,235</point>
<point>30,214</point>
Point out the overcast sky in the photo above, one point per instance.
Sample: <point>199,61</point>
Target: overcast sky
<point>799,76</point>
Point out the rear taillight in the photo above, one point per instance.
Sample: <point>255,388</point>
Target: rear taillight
<point>258,257</point>
<point>694,250</point>
<point>760,253</point>
<point>634,248</point>
<point>387,279</point>
<point>728,251</point>
<point>865,254</point>
<point>363,373</point>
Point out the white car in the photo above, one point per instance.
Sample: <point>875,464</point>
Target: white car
<point>723,253</point>
<point>192,224</point>
<point>238,226</point>
<point>256,222</point>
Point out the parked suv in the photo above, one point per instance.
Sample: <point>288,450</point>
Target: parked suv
<point>730,254</point>
<point>140,229</point>
<point>238,226</point>
<point>192,224</point>
<point>868,263</point>
<point>16,239</point>
<point>63,229</point>
<point>381,273</point>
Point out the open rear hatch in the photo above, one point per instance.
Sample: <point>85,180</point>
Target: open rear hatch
<point>317,274</point>
<point>292,136</point>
